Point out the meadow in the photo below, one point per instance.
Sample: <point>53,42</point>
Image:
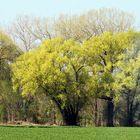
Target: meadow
<point>69,133</point>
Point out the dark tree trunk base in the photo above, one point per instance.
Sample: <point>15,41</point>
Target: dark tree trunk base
<point>70,119</point>
<point>110,112</point>
<point>70,116</point>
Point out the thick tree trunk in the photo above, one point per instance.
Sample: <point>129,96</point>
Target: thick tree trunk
<point>70,119</point>
<point>130,121</point>
<point>110,110</point>
<point>70,115</point>
<point>110,113</point>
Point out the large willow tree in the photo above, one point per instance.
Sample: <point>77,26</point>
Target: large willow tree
<point>69,72</point>
<point>58,68</point>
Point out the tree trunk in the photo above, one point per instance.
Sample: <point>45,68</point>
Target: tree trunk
<point>130,120</point>
<point>110,113</point>
<point>54,114</point>
<point>95,114</point>
<point>70,113</point>
<point>70,117</point>
<point>129,113</point>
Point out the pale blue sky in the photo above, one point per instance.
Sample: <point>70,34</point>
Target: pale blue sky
<point>9,9</point>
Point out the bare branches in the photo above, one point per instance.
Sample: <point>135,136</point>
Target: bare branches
<point>28,32</point>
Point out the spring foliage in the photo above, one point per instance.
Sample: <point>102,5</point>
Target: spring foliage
<point>67,70</point>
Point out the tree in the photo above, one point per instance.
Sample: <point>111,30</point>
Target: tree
<point>28,31</point>
<point>129,77</point>
<point>57,67</point>
<point>106,56</point>
<point>8,52</point>
<point>95,22</point>
<point>20,33</point>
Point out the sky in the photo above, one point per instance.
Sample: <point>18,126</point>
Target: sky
<point>10,9</point>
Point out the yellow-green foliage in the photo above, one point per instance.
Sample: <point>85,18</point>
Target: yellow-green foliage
<point>57,66</point>
<point>111,58</point>
<point>102,65</point>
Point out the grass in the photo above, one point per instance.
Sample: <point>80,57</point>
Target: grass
<point>69,133</point>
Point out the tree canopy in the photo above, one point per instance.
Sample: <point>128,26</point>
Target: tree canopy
<point>69,72</point>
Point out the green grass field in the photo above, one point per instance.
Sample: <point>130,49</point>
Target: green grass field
<point>69,133</point>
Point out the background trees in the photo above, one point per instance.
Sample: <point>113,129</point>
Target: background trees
<point>93,23</point>
<point>28,32</point>
<point>8,52</point>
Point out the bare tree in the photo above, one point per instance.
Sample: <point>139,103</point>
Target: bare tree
<point>20,33</point>
<point>42,28</point>
<point>29,32</point>
<point>69,27</point>
<point>93,23</point>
